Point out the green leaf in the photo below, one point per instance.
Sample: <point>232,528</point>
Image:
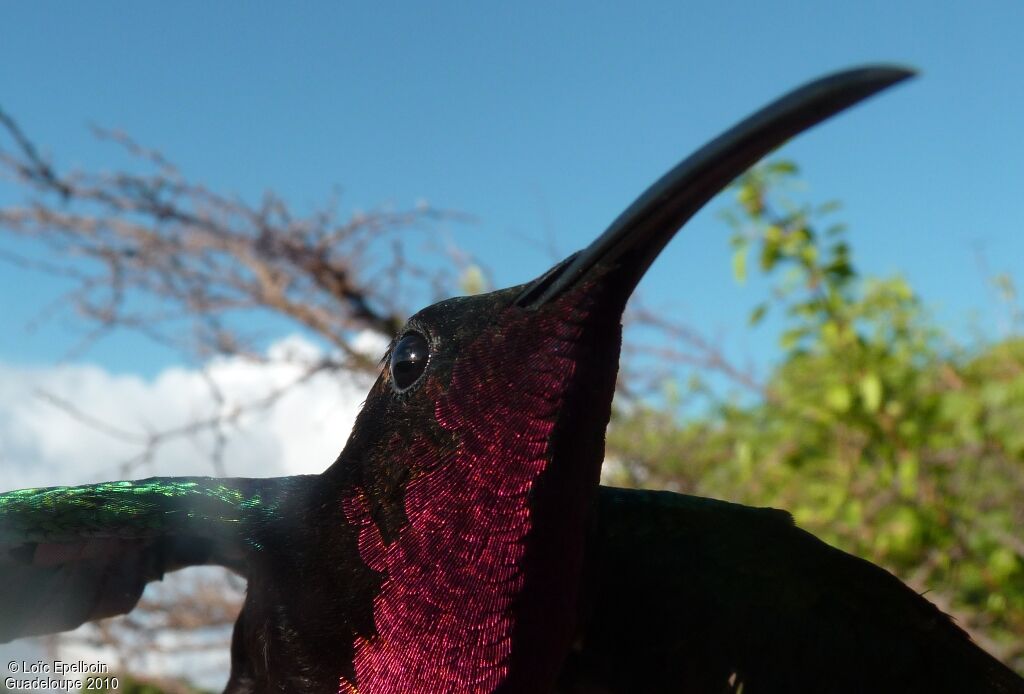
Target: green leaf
<point>871,392</point>
<point>791,338</point>
<point>750,198</point>
<point>830,332</point>
<point>838,398</point>
<point>783,167</point>
<point>828,207</point>
<point>771,251</point>
<point>1002,563</point>
<point>906,472</point>
<point>757,315</point>
<point>739,265</point>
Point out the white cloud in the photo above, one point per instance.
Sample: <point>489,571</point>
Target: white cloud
<point>42,445</point>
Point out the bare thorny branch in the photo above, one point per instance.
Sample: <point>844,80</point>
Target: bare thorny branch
<point>153,253</point>
<point>159,251</point>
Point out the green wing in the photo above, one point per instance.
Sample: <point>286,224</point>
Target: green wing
<point>70,555</point>
<point>685,594</point>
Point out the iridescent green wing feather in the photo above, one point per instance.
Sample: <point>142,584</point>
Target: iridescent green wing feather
<point>69,555</point>
<point>691,594</point>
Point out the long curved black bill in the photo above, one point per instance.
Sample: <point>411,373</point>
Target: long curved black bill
<point>634,240</point>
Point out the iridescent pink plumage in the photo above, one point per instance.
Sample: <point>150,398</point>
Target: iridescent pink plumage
<point>445,612</point>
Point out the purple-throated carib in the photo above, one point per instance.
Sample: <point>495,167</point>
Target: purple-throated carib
<point>454,546</point>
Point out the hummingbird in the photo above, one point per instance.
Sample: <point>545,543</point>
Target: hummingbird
<point>461,541</point>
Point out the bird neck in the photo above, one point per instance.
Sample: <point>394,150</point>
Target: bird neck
<point>454,607</point>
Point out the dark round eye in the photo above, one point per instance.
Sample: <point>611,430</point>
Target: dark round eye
<point>408,360</point>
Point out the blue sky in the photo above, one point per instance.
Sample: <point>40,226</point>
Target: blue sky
<point>541,118</point>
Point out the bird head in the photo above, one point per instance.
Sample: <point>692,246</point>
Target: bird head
<point>471,468</point>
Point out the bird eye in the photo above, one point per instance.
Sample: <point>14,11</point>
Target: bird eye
<point>408,360</point>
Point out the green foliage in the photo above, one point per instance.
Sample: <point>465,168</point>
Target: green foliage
<point>876,431</point>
